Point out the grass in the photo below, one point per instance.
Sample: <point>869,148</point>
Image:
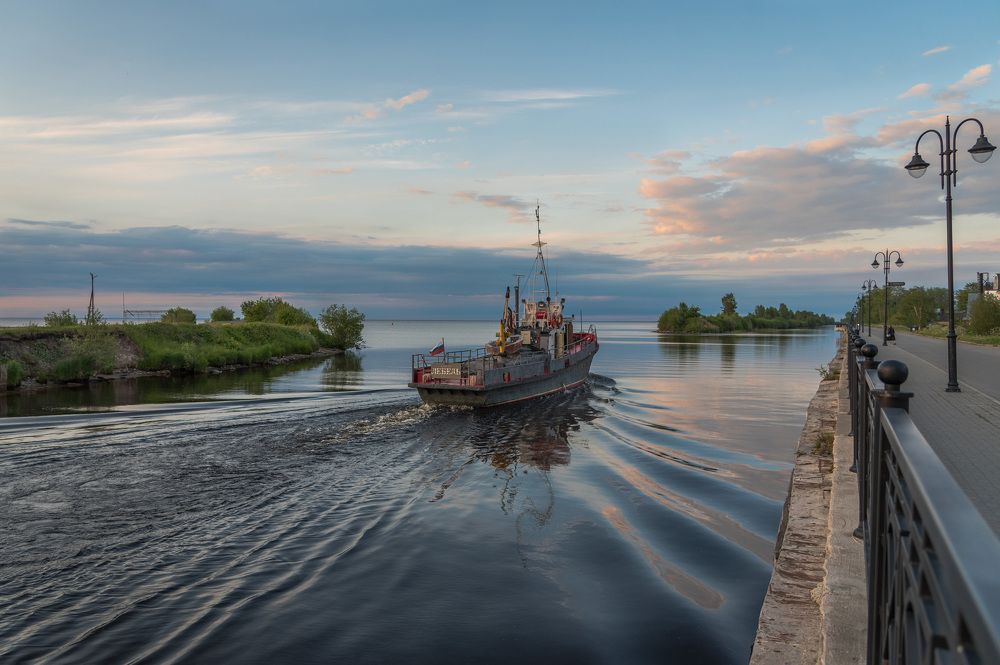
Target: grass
<point>940,329</point>
<point>78,352</point>
<point>194,348</point>
<point>823,444</point>
<point>827,373</point>
<point>14,373</point>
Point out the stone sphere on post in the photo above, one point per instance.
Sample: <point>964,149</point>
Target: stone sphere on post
<point>893,374</point>
<point>869,351</point>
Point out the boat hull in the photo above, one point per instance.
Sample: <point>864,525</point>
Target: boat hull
<point>509,393</point>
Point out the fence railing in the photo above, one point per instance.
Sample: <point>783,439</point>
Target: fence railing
<point>933,564</point>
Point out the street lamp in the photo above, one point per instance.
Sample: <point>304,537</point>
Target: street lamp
<point>886,258</point>
<point>869,286</point>
<point>981,151</point>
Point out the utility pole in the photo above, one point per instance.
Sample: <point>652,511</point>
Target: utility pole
<point>90,307</point>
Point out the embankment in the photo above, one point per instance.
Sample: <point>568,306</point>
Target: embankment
<point>790,629</point>
<point>35,357</point>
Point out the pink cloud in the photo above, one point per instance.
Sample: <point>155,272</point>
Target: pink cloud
<point>375,111</point>
<point>917,90</point>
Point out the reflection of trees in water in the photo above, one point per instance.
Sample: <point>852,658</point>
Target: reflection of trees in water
<point>727,351</point>
<point>342,371</point>
<point>681,347</point>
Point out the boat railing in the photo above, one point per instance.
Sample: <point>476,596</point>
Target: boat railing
<point>426,360</point>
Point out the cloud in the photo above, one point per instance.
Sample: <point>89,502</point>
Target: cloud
<point>759,200</point>
<point>517,209</point>
<point>58,225</point>
<point>69,127</point>
<point>918,90</point>
<point>201,268</point>
<point>546,94</point>
<point>936,50</point>
<point>444,108</point>
<point>373,111</point>
<point>406,100</point>
<point>464,164</point>
<point>668,162</point>
<point>973,78</point>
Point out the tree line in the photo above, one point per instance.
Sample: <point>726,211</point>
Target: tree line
<point>344,325</point>
<point>686,318</point>
<point>918,306</point>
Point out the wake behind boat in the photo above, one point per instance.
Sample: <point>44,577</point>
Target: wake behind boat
<point>536,352</point>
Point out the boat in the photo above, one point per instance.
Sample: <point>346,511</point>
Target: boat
<point>537,351</point>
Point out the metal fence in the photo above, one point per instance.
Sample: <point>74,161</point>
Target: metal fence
<point>933,564</point>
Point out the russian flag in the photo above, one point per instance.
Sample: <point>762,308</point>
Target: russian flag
<point>439,349</point>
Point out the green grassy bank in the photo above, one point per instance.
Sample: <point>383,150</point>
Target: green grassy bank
<point>940,329</point>
<point>78,352</point>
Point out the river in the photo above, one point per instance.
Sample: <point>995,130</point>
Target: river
<point>319,513</point>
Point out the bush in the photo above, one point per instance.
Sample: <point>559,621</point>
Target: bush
<point>275,310</point>
<point>344,326</point>
<point>985,316</point>
<point>194,348</point>
<point>95,318</point>
<point>14,373</point>
<point>178,315</point>
<point>823,445</point>
<point>93,350</point>
<point>61,319</point>
<point>223,313</point>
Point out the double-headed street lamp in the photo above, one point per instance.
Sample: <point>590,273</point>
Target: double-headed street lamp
<point>980,152</point>
<point>869,286</point>
<point>886,258</point>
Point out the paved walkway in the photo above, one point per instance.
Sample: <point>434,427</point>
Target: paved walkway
<point>963,428</point>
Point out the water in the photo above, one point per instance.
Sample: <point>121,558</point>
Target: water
<point>321,514</point>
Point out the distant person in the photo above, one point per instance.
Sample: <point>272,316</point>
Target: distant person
<point>890,334</point>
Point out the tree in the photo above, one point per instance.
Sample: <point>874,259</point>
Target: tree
<point>729,304</point>
<point>276,310</point>
<point>223,313</point>
<point>178,315</point>
<point>916,307</point>
<point>985,316</point>
<point>344,325</point>
<point>61,319</point>
<point>676,319</point>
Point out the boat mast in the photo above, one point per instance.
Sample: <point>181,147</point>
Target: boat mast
<point>517,300</point>
<point>540,257</point>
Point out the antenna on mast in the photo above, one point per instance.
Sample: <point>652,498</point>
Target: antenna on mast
<point>540,257</point>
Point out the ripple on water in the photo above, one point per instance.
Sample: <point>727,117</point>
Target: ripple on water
<point>631,521</point>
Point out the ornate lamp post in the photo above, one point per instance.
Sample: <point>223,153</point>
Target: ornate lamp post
<point>886,258</point>
<point>981,151</point>
<point>869,286</point>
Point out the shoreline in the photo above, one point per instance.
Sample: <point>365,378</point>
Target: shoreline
<point>30,385</point>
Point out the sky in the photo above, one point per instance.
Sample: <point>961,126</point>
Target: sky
<point>389,155</point>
